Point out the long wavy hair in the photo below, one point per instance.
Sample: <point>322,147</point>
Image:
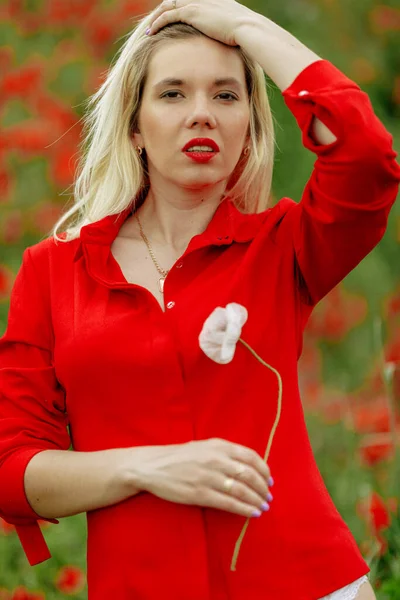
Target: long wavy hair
<point>110,175</point>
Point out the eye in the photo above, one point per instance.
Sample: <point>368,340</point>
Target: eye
<point>232,97</point>
<point>173,95</point>
<point>168,95</point>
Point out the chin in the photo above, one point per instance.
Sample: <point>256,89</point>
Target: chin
<point>198,183</point>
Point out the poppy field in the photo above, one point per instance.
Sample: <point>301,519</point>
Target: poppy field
<point>53,55</point>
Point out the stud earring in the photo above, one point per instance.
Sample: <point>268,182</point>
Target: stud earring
<point>139,150</point>
<point>246,150</point>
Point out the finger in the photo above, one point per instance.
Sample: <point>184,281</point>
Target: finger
<point>231,504</point>
<point>244,493</point>
<point>253,479</point>
<point>238,490</point>
<point>168,15</point>
<point>250,457</point>
<point>167,5</point>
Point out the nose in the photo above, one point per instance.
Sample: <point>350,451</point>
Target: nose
<point>201,114</point>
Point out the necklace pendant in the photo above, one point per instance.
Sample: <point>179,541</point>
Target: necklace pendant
<point>161,284</point>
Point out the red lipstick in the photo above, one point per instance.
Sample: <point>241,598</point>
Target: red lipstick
<point>201,156</point>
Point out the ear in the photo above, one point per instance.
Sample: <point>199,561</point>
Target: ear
<point>137,139</point>
<point>135,134</point>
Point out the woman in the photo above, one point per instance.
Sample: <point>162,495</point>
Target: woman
<point>104,321</point>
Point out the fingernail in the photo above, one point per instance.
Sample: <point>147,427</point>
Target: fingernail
<point>265,506</point>
<point>270,481</point>
<point>148,31</point>
<point>256,513</point>
<point>270,497</point>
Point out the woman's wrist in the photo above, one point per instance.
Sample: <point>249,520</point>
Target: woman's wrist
<point>281,55</point>
<point>130,475</point>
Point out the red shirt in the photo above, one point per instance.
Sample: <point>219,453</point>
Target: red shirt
<point>85,347</point>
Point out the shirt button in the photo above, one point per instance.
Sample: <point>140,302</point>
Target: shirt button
<point>171,304</point>
<point>304,93</point>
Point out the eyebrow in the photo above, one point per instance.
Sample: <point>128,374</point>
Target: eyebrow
<point>221,81</point>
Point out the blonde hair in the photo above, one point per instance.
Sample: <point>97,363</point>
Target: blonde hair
<point>111,174</point>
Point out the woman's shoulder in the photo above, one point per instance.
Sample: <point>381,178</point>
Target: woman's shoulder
<point>273,216</point>
<point>50,249</point>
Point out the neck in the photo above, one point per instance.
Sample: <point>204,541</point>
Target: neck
<point>173,221</point>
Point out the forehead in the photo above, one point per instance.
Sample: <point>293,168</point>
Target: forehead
<point>195,58</point>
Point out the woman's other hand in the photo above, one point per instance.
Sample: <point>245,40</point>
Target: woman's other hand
<point>196,473</point>
<point>218,19</point>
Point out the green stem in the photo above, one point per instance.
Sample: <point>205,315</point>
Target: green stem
<point>269,444</point>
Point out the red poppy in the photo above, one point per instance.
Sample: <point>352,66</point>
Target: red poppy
<point>63,163</point>
<point>392,350</point>
<point>100,32</point>
<point>376,448</point>
<point>31,137</point>
<point>337,314</point>
<point>15,7</point>
<point>22,82</point>
<point>5,183</point>
<point>70,580</point>
<point>377,513</point>
<point>396,384</point>
<point>372,417</point>
<point>21,593</point>
<point>55,112</point>
<point>61,11</point>
<point>6,281</point>
<point>130,8</point>
<point>385,18</point>
<point>393,304</point>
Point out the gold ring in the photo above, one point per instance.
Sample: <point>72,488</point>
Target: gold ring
<point>228,483</point>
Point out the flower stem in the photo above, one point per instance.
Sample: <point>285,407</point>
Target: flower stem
<point>269,444</point>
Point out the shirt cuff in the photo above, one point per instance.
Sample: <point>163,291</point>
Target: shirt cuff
<point>16,510</point>
<point>319,91</point>
<point>15,504</point>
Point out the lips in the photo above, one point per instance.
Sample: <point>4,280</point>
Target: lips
<point>201,142</point>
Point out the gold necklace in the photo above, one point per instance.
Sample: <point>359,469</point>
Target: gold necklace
<point>161,271</point>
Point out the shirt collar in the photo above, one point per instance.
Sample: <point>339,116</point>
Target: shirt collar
<point>227,225</point>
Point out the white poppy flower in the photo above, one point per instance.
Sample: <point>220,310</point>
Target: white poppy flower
<point>218,338</point>
<point>221,332</point>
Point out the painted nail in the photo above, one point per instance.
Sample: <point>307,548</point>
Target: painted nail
<point>265,506</point>
<point>270,481</point>
<point>148,31</point>
<point>256,513</point>
<point>270,497</point>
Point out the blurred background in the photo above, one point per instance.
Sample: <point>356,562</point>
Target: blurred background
<point>53,55</point>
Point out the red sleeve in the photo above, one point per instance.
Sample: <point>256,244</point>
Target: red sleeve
<point>32,402</point>
<point>345,205</point>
